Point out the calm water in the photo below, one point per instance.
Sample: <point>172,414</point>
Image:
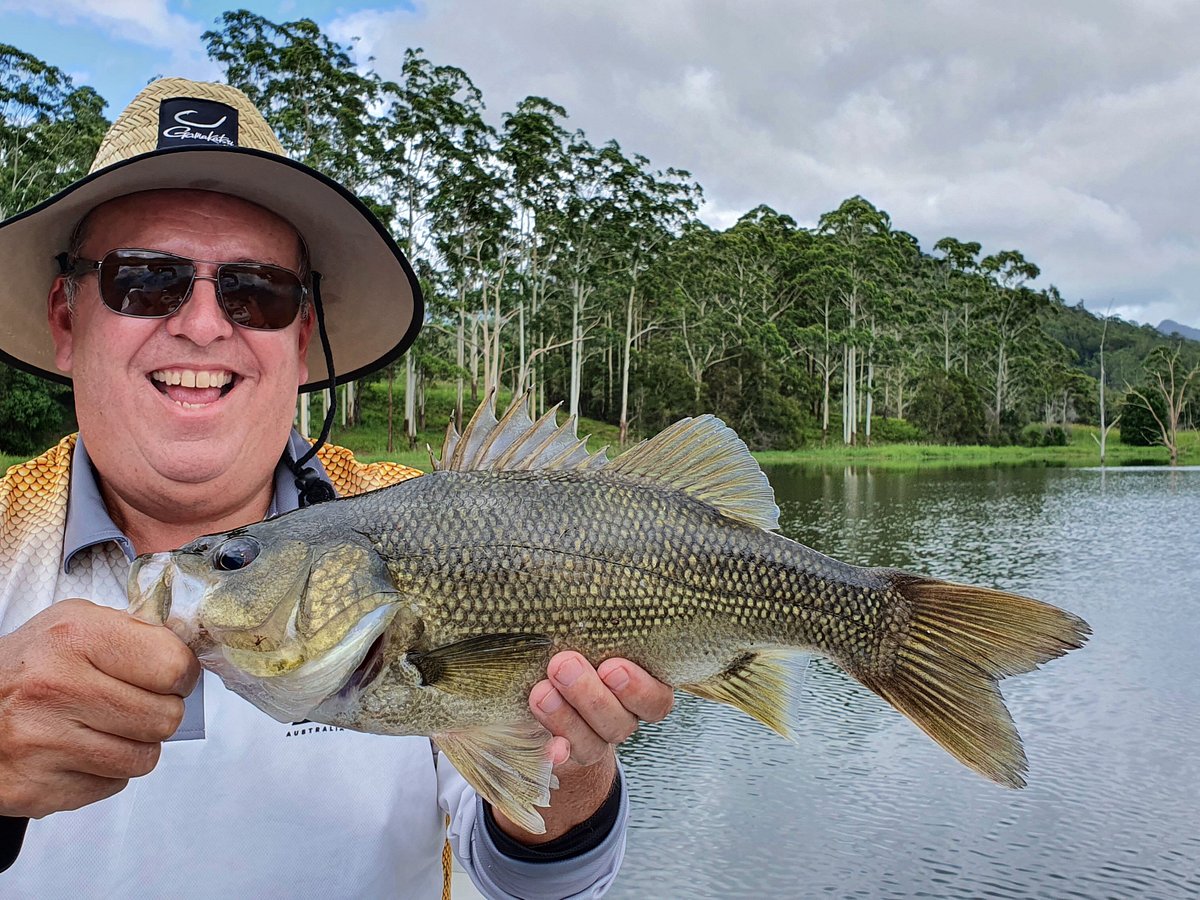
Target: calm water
<point>864,805</point>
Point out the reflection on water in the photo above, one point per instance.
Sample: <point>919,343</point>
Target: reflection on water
<point>864,805</point>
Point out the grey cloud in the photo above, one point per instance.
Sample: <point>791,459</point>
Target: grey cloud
<point>1064,130</point>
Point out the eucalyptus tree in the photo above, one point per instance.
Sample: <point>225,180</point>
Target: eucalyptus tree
<point>697,302</point>
<point>648,210</point>
<point>585,240</point>
<point>533,147</point>
<point>897,312</point>
<point>857,258</point>
<point>471,226</point>
<point>761,256</point>
<point>324,110</point>
<point>958,285</point>
<point>50,130</point>
<point>433,127</point>
<point>1010,316</point>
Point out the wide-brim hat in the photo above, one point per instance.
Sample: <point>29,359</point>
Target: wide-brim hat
<point>185,134</point>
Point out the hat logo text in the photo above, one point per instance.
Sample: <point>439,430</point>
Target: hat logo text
<point>203,131</point>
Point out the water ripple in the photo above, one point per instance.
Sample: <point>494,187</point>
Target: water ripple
<point>862,804</point>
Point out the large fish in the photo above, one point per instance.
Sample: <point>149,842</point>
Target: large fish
<point>433,606</point>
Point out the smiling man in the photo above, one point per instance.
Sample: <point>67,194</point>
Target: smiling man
<point>187,277</point>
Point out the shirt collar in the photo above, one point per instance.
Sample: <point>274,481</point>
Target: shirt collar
<point>89,524</point>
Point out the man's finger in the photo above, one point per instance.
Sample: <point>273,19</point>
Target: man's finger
<point>148,656</point>
<point>133,713</point>
<point>575,679</point>
<point>639,691</point>
<point>562,720</point>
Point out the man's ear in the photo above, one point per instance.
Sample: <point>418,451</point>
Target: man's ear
<point>58,313</point>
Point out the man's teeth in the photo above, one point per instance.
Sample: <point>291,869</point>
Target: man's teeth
<point>193,377</point>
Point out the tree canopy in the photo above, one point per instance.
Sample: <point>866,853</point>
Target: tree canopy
<point>576,269</point>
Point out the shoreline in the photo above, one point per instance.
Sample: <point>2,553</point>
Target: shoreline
<point>1082,452</point>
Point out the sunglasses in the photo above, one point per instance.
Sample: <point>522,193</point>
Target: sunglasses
<point>147,284</point>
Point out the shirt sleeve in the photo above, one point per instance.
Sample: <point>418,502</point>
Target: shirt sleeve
<point>500,877</point>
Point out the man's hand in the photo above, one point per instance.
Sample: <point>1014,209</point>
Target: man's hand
<point>87,695</point>
<point>589,711</point>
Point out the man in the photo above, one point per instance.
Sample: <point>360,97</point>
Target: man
<point>183,310</point>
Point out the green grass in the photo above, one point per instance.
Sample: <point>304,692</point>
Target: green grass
<point>369,442</point>
<point>1081,451</point>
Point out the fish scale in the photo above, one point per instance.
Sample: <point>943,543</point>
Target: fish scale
<point>670,564</point>
<point>433,606</point>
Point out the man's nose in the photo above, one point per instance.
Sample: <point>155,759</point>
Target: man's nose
<point>201,319</point>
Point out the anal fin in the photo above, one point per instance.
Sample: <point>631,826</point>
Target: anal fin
<point>757,683</point>
<point>507,765</point>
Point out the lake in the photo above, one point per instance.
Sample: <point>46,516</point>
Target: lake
<point>863,804</point>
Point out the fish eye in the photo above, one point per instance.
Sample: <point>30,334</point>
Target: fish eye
<point>236,553</point>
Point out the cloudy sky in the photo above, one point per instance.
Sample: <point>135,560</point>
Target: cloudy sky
<point>1066,130</point>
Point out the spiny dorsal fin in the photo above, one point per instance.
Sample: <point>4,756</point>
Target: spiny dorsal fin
<point>705,459</point>
<point>515,441</point>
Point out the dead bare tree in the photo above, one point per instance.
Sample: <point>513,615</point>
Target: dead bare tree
<point>1167,380</point>
<point>1102,439</point>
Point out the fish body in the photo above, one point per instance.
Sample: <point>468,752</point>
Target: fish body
<point>433,606</point>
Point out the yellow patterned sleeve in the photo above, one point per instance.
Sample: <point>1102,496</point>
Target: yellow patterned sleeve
<point>351,477</point>
<point>32,493</point>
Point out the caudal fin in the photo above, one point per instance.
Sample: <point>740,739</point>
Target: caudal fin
<point>960,642</point>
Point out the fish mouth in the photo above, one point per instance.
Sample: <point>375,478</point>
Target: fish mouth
<point>367,670</point>
<point>297,693</point>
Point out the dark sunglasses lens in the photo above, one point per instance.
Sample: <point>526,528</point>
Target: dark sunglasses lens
<point>257,296</point>
<point>146,285</point>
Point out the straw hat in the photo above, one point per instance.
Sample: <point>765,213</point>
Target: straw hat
<point>185,134</point>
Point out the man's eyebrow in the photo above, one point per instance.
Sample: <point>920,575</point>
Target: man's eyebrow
<point>260,261</point>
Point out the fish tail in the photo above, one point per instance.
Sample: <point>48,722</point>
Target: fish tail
<point>960,641</point>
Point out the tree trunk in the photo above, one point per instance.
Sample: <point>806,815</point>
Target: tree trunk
<point>870,400</point>
<point>304,414</point>
<point>391,445</point>
<point>460,341</point>
<point>625,361</point>
<point>410,401</point>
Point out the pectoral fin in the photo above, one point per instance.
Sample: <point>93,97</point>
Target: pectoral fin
<point>756,683</point>
<point>507,765</point>
<point>483,666</point>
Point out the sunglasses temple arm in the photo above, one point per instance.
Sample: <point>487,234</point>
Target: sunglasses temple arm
<point>312,488</point>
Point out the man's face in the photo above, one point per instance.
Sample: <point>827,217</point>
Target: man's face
<point>141,421</point>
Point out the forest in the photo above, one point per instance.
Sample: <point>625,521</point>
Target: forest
<point>577,270</point>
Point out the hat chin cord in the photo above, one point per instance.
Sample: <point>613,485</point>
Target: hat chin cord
<point>312,488</point>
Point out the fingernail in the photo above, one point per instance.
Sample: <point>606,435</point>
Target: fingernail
<point>551,702</point>
<point>617,678</point>
<point>568,673</point>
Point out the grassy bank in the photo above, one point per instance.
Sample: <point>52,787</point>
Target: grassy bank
<point>1081,451</point>
<point>369,441</point>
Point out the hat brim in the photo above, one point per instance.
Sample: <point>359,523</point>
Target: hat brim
<point>370,294</point>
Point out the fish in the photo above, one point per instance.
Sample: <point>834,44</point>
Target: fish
<point>432,607</point>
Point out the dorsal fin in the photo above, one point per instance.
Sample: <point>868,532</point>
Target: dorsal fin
<point>515,441</point>
<point>705,459</point>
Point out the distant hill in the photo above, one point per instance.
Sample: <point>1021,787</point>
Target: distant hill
<point>1170,327</point>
